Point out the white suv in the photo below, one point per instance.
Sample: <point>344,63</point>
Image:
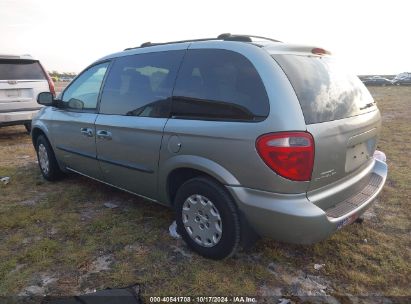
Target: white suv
<point>22,78</point>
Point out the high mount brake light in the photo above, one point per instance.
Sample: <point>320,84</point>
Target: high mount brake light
<point>289,154</point>
<point>320,51</point>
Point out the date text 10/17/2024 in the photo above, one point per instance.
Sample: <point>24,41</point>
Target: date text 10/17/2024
<point>203,299</point>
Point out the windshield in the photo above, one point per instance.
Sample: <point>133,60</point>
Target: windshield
<point>324,89</point>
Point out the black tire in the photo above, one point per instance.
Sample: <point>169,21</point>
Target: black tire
<point>27,125</point>
<point>230,237</point>
<point>53,173</point>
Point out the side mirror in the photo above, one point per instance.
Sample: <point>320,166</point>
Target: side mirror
<point>45,99</point>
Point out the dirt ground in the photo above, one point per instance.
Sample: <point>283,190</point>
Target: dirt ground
<point>77,235</point>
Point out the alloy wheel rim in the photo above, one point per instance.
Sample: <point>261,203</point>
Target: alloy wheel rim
<point>202,220</point>
<point>43,159</point>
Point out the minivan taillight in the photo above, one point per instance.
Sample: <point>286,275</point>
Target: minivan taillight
<point>51,85</point>
<point>49,81</point>
<point>289,154</point>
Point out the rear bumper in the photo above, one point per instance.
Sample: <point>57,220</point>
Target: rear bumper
<point>293,218</point>
<point>18,117</point>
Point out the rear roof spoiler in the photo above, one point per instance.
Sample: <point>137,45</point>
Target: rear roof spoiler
<point>25,56</point>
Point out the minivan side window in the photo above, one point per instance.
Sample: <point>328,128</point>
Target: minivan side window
<point>83,93</point>
<point>215,84</point>
<point>141,85</point>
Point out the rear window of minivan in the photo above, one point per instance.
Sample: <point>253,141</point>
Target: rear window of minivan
<point>20,70</point>
<point>324,89</point>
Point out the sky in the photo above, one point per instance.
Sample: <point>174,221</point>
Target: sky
<point>368,36</point>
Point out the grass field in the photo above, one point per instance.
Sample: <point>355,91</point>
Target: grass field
<point>59,238</point>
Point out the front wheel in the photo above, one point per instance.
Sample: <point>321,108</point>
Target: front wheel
<point>207,218</point>
<point>47,161</point>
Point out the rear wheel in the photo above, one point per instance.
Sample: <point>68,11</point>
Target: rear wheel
<point>27,125</point>
<point>207,218</point>
<point>47,160</point>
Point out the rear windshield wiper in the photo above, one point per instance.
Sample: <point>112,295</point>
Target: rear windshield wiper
<point>368,105</point>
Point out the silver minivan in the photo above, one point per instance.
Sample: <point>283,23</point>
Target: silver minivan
<point>22,78</point>
<point>242,136</point>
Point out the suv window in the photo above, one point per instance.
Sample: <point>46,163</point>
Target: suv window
<point>141,85</point>
<point>219,84</point>
<point>20,69</point>
<point>82,94</point>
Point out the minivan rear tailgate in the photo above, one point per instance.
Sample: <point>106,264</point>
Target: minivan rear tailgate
<point>343,151</point>
<point>343,119</point>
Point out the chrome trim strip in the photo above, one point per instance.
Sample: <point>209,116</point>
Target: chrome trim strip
<point>98,180</point>
<point>76,152</point>
<point>126,165</point>
<point>112,162</point>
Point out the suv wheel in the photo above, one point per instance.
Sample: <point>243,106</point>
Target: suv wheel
<point>207,218</point>
<point>47,161</point>
<point>27,125</point>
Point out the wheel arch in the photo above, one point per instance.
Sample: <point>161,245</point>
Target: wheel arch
<point>36,131</point>
<point>179,169</point>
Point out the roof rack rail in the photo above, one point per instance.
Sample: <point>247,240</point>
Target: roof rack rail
<point>146,44</point>
<point>242,37</point>
<point>225,36</point>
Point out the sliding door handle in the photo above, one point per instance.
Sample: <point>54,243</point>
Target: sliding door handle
<point>103,134</point>
<point>86,132</point>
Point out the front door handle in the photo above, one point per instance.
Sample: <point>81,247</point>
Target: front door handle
<point>86,132</point>
<point>103,134</point>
